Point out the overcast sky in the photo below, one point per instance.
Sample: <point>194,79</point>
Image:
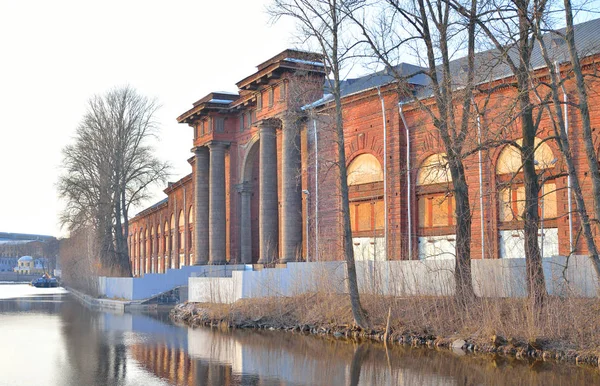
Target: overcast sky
<point>54,55</point>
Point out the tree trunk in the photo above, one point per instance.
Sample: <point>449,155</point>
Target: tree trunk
<point>584,112</point>
<point>462,270</point>
<point>536,284</point>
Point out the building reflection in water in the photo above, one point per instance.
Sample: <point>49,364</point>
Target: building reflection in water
<point>112,349</point>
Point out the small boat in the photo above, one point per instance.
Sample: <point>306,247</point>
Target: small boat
<point>45,282</point>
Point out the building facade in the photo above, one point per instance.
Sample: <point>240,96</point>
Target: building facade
<point>264,183</point>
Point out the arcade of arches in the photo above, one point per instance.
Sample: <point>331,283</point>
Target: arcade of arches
<point>263,187</point>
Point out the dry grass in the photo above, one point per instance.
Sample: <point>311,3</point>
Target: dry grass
<point>563,324</point>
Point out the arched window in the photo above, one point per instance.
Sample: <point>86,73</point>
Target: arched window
<point>365,185</point>
<point>511,188</point>
<point>436,208</point>
<point>364,169</point>
<point>173,235</point>
<point>141,254</point>
<point>180,233</point>
<point>166,250</point>
<point>367,212</point>
<point>436,202</point>
<point>511,200</point>
<point>190,228</point>
<point>166,247</point>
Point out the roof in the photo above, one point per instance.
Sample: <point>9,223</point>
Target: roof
<point>490,65</point>
<point>26,258</point>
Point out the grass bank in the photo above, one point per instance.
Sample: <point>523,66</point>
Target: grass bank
<point>566,329</point>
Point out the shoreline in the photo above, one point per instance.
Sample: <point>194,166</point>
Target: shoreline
<point>224,317</point>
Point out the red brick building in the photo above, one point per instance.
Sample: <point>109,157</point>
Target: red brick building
<point>263,184</point>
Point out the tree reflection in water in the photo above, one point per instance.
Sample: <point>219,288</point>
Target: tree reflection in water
<point>101,348</point>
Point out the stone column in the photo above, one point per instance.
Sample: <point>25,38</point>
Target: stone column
<point>268,212</point>
<point>291,216</point>
<point>245,223</point>
<point>216,216</point>
<point>201,206</point>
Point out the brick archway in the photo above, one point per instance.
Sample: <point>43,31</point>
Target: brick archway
<point>248,190</point>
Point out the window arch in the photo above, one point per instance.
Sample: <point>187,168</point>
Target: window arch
<point>367,212</point>
<point>166,247</point>
<point>511,200</point>
<point>434,170</point>
<point>364,169</point>
<point>436,202</point>
<point>190,228</point>
<point>436,222</point>
<point>152,241</point>
<point>509,160</point>
<point>510,182</point>
<point>180,231</point>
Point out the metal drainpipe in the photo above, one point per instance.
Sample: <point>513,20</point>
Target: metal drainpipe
<point>408,180</point>
<point>569,189</point>
<point>316,190</point>
<point>385,193</point>
<point>480,188</point>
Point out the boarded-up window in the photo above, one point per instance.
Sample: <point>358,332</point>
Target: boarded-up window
<point>219,124</point>
<point>548,201</point>
<point>367,216</point>
<point>282,91</point>
<point>512,202</point>
<point>271,96</point>
<point>379,212</point>
<point>509,161</point>
<point>364,169</point>
<point>436,210</point>
<point>259,101</point>
<point>434,170</point>
<point>364,216</point>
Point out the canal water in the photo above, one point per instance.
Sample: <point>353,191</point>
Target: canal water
<point>49,338</point>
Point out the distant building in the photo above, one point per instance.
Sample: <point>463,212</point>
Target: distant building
<point>8,264</point>
<point>28,265</point>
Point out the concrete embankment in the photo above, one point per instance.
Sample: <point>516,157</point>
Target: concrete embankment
<point>321,315</point>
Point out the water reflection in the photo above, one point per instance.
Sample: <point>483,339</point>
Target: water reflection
<point>68,344</point>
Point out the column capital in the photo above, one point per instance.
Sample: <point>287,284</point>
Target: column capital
<point>218,145</point>
<point>292,118</point>
<point>269,123</point>
<point>198,149</point>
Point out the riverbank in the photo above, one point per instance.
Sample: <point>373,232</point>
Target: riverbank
<point>566,330</point>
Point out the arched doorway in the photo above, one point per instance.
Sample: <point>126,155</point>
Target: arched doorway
<point>249,205</point>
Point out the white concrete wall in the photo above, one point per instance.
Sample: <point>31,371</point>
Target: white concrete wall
<point>152,284</point>
<point>437,247</point>
<point>512,243</point>
<point>369,248</point>
<point>492,278</point>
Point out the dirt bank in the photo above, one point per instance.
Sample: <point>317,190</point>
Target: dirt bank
<point>566,330</point>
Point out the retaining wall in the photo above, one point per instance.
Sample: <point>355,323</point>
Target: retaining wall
<point>152,284</point>
<point>491,278</point>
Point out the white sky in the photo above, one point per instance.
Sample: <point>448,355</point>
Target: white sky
<point>54,55</point>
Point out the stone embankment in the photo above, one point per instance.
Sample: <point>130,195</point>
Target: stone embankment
<point>219,316</point>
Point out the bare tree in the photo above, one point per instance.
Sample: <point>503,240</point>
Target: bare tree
<point>506,24</point>
<point>108,168</point>
<point>433,27</point>
<point>323,22</point>
<point>556,82</point>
